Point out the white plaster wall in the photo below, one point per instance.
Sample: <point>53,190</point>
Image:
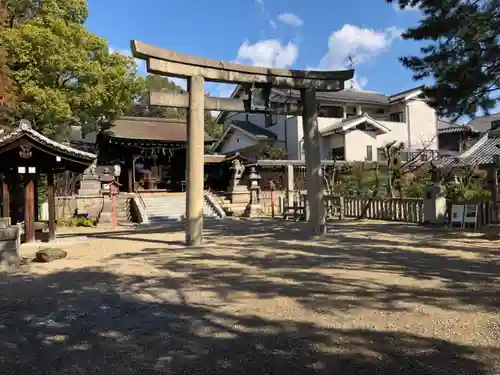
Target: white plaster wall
<point>422,125</point>
<point>237,141</point>
<point>357,140</point>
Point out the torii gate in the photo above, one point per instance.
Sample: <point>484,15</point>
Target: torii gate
<point>259,81</point>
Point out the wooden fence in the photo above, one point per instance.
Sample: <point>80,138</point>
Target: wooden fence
<point>407,209</point>
<point>410,210</point>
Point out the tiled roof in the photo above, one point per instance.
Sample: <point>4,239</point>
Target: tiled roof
<point>455,129</point>
<point>255,130</point>
<point>151,129</point>
<point>352,121</point>
<point>480,153</point>
<point>216,159</point>
<point>483,123</point>
<point>25,128</point>
<point>442,124</point>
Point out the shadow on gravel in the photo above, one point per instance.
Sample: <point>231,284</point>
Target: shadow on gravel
<point>285,263</point>
<point>89,322</point>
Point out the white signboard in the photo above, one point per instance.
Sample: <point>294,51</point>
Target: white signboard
<point>457,216</point>
<point>470,216</point>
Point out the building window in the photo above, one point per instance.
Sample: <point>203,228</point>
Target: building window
<point>396,117</point>
<point>331,112</point>
<point>338,153</point>
<point>495,124</point>
<point>369,153</point>
<point>271,119</point>
<point>381,155</point>
<point>380,111</point>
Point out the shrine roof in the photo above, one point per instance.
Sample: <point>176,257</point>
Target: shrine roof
<point>151,129</point>
<point>25,129</point>
<point>218,158</point>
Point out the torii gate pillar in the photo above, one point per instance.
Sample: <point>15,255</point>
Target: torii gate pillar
<point>314,179</point>
<point>195,162</point>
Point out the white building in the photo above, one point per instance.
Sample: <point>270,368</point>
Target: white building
<point>354,125</point>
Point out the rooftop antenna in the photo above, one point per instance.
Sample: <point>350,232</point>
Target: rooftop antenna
<point>350,66</point>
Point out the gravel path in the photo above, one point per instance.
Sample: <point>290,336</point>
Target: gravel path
<point>371,298</point>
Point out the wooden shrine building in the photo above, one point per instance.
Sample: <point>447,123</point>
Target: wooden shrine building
<point>150,151</point>
<point>27,155</point>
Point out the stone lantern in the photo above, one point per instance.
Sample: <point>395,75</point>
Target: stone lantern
<point>254,208</point>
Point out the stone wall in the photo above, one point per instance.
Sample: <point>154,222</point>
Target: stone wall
<point>67,207</point>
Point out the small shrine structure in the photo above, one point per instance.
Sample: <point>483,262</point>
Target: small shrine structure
<point>26,155</point>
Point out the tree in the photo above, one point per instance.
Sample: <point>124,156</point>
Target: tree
<point>142,108</point>
<point>7,89</point>
<point>463,56</point>
<point>65,74</point>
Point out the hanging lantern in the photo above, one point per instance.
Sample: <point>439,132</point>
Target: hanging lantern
<point>259,98</point>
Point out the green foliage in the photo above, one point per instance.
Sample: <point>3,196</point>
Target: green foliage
<point>462,54</point>
<point>465,184</point>
<point>413,184</point>
<point>65,74</point>
<point>356,180</point>
<point>77,222</point>
<point>7,89</point>
<point>268,151</point>
<point>142,108</point>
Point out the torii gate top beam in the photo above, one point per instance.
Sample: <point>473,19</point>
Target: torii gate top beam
<point>165,62</point>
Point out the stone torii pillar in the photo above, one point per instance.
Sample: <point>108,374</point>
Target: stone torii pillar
<point>314,180</point>
<point>196,70</point>
<point>195,161</point>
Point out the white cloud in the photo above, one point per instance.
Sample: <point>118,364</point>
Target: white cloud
<point>290,19</point>
<point>268,53</point>
<point>358,44</point>
<point>272,23</point>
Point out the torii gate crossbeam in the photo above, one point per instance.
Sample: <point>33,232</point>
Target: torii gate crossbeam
<point>196,70</point>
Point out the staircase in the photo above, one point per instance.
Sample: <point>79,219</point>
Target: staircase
<point>123,214</point>
<point>172,208</point>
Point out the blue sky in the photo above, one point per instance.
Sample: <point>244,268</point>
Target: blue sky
<point>317,34</point>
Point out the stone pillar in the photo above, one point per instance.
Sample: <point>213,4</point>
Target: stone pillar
<point>314,180</point>
<point>290,186</point>
<point>195,162</point>
<point>434,204</point>
<point>29,209</point>
<point>52,206</point>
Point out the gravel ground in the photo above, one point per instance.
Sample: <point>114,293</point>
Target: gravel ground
<point>370,298</point>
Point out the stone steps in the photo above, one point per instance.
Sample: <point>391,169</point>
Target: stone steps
<point>172,208</point>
